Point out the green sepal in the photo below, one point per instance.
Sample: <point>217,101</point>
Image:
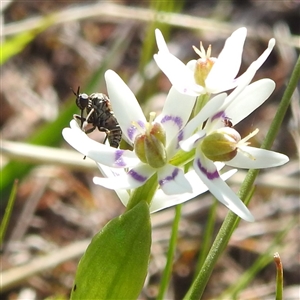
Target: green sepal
<point>115,263</point>
<point>151,146</point>
<point>219,147</point>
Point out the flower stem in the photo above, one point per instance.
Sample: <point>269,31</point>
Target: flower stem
<point>145,192</point>
<point>283,106</point>
<point>199,284</point>
<point>231,221</point>
<point>207,238</point>
<point>200,103</point>
<point>171,250</point>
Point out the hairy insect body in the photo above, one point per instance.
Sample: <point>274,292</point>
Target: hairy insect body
<point>227,122</point>
<point>98,113</point>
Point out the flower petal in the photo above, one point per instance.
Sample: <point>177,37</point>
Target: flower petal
<point>179,75</point>
<point>191,142</point>
<point>207,111</point>
<point>176,112</point>
<point>160,41</point>
<point>244,80</point>
<point>112,172</point>
<point>133,179</point>
<point>172,180</point>
<point>208,173</point>
<point>101,153</point>
<point>249,99</point>
<point>161,200</point>
<point>125,105</point>
<point>221,76</point>
<point>262,158</point>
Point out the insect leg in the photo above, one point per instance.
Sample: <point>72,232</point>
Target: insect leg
<point>86,122</point>
<point>79,117</point>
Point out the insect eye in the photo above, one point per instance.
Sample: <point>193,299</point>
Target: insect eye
<point>82,101</point>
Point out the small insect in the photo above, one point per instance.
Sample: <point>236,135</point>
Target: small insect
<point>227,122</point>
<point>96,110</point>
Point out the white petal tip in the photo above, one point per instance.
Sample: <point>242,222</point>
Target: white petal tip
<point>284,159</point>
<point>272,43</point>
<point>242,31</point>
<point>96,180</point>
<point>185,146</point>
<point>157,31</point>
<point>111,75</point>
<point>248,218</point>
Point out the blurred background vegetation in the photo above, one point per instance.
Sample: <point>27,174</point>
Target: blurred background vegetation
<point>49,48</point>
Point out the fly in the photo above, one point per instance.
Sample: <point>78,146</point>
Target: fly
<point>96,110</point>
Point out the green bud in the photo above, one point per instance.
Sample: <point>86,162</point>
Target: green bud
<point>221,145</point>
<point>150,147</point>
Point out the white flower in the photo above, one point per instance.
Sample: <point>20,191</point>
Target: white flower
<point>218,141</point>
<point>123,169</point>
<point>133,123</point>
<point>207,74</point>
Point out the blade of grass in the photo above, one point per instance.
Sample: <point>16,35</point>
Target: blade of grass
<point>279,277</point>
<point>166,275</point>
<point>8,211</point>
<point>262,261</point>
<point>17,43</point>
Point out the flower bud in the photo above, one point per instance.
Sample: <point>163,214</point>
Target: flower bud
<point>203,65</point>
<point>150,146</point>
<point>221,145</point>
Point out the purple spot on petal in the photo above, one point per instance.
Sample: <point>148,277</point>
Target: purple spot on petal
<point>177,120</point>
<point>209,175</point>
<point>220,114</point>
<point>130,132</point>
<point>136,176</point>
<point>180,136</point>
<point>169,178</point>
<point>141,123</point>
<point>118,159</point>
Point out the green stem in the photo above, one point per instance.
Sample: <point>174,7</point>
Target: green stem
<point>198,286</point>
<point>283,106</point>
<point>208,235</point>
<point>170,255</point>
<point>145,192</point>
<point>200,103</point>
<point>231,221</point>
<point>181,158</point>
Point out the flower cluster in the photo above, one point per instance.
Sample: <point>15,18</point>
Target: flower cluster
<point>164,144</point>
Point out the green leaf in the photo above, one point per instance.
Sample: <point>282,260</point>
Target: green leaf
<point>115,264</point>
<point>16,44</point>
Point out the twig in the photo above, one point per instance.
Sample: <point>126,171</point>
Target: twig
<point>14,276</point>
<point>117,13</point>
<point>45,155</point>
